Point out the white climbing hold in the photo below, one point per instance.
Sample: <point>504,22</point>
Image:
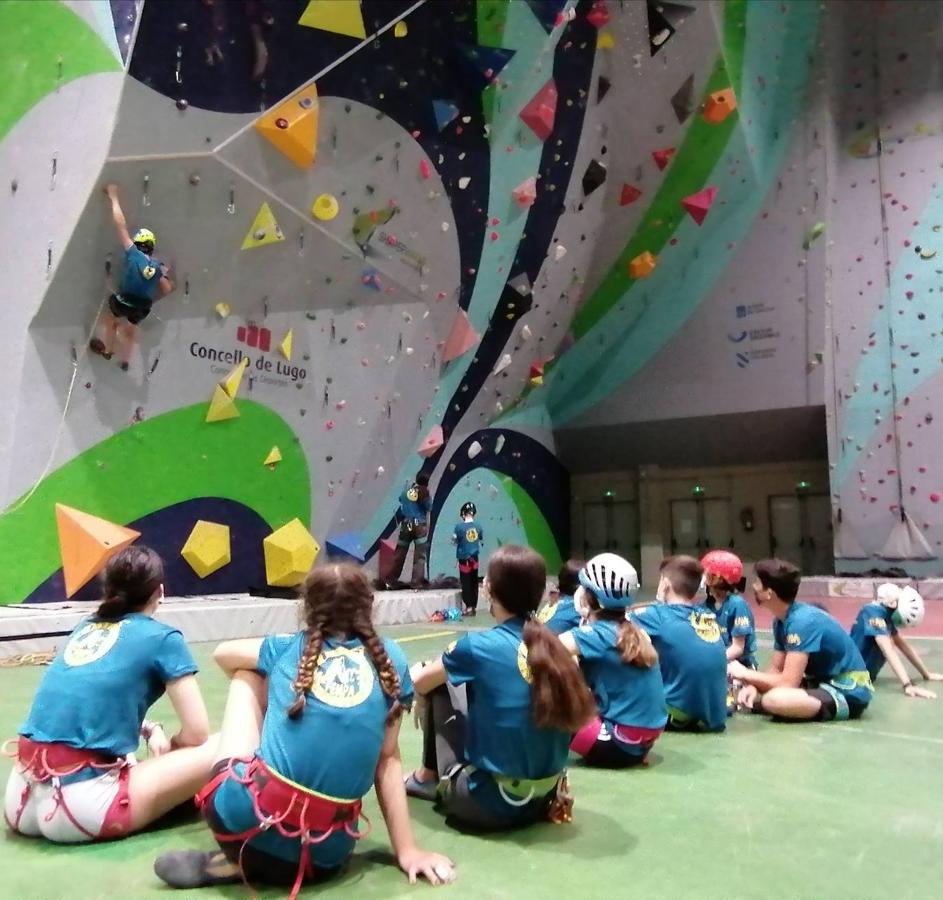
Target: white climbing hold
<point>499,444</point>
<point>503,363</point>
<point>526,333</point>
<point>559,252</point>
<point>474,448</point>
<point>463,182</point>
<point>445,226</point>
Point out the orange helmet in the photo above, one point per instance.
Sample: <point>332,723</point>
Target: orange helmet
<point>725,564</point>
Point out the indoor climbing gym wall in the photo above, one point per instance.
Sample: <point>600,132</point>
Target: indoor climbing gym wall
<point>424,236</point>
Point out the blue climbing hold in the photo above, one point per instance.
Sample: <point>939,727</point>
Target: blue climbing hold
<point>347,545</point>
<point>486,62</point>
<point>445,113</point>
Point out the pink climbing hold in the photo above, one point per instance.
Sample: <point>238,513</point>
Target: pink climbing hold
<point>433,441</point>
<point>526,192</point>
<point>935,497</point>
<point>630,194</point>
<point>425,170</point>
<point>663,157</point>
<point>541,111</point>
<point>461,338</point>
<point>698,204</point>
<point>598,16</point>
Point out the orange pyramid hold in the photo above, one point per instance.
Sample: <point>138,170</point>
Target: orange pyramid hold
<point>86,543</point>
<point>292,126</point>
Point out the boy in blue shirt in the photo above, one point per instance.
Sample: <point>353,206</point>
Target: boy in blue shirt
<point>560,614</point>
<point>143,281</point>
<point>876,636</point>
<point>415,504</point>
<point>467,537</point>
<point>817,673</point>
<point>690,650</point>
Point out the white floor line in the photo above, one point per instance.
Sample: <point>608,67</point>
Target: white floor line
<point>898,736</point>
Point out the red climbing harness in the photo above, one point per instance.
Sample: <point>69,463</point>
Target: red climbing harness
<point>50,763</point>
<point>292,810</point>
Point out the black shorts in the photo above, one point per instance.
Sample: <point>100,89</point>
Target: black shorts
<point>836,705</point>
<point>128,306</point>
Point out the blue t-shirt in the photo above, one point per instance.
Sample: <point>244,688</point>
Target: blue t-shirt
<point>100,686</point>
<point>691,658</point>
<point>501,736</point>
<point>411,506</point>
<point>332,748</point>
<point>625,694</point>
<point>833,657</point>
<point>141,276</point>
<point>735,619</point>
<point>874,620</point>
<point>468,538</point>
<point>560,616</point>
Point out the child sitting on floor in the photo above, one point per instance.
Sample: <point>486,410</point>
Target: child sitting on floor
<point>560,614</point>
<point>723,577</point>
<point>876,636</point>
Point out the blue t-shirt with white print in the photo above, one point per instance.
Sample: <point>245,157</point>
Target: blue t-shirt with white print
<point>874,620</point>
<point>735,619</point>
<point>468,538</point>
<point>141,276</point>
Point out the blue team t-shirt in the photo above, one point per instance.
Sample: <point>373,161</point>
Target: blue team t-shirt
<point>625,694</point>
<point>735,619</point>
<point>411,506</point>
<point>332,748</point>
<point>560,616</point>
<point>468,538</point>
<point>141,276</point>
<point>691,658</point>
<point>874,620</point>
<point>833,657</point>
<point>100,686</point>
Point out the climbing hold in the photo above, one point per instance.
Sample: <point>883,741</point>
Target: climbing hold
<point>664,19</point>
<point>221,406</point>
<point>289,553</point>
<point>593,177</point>
<point>292,126</point>
<point>603,85</point>
<point>425,170</point>
<point>222,310</point>
<point>463,182</point>
<point>663,157</point>
<point>629,194</point>
<point>485,62</point>
<point>521,284</point>
<point>699,203</point>
<point>559,251</point>
<point>432,442</point>
<point>400,29</point>
<point>539,114</point>
<point>86,543</point>
<point>230,384</point>
<point>182,104</point>
<point>499,444</point>
<point>474,448</point>
<point>371,278</point>
<point>817,230</point>
<point>325,207</point>
<point>462,337</point>
<point>605,41</point>
<point>643,265</point>
<point>347,545</point>
<point>535,374</point>
<point>264,229</point>
<point>274,457</point>
<point>526,192</point>
<point>503,363</point>
<point>526,333</point>
<point>285,345</point>
<point>444,113</point>
<point>366,223</point>
<point>337,16</point>
<point>598,15</point>
<point>682,101</point>
<point>719,106</point>
<point>207,548</point>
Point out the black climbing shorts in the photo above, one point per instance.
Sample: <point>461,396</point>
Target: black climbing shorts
<point>128,306</point>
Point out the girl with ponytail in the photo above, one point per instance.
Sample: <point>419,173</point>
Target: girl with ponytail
<point>502,707</point>
<point>620,664</point>
<point>75,777</point>
<point>312,720</point>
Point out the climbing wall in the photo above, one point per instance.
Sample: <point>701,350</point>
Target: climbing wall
<point>418,236</point>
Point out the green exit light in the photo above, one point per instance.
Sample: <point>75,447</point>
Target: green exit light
<point>609,494</point>
<point>697,490</point>
<point>803,486</point>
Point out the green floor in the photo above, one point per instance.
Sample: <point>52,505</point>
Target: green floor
<point>762,811</point>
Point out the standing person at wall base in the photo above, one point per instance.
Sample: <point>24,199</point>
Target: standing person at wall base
<point>415,504</point>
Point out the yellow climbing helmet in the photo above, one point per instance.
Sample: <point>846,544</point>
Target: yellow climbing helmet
<point>147,237</point>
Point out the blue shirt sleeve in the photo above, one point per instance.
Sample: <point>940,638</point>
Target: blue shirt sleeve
<point>406,690</point>
<point>148,268</point>
<point>592,641</point>
<point>742,618</point>
<point>778,639</point>
<point>174,659</point>
<point>649,619</point>
<point>878,622</point>
<point>804,635</point>
<point>459,661</point>
<point>272,648</point>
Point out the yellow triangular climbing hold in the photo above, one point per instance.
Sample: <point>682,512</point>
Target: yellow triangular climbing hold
<point>221,406</point>
<point>292,126</point>
<point>264,229</point>
<point>285,346</point>
<point>230,384</point>
<point>86,543</point>
<point>339,16</point>
<point>605,41</point>
<point>274,456</point>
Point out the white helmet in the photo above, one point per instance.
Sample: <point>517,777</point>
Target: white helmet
<point>910,609</point>
<point>611,579</point>
<point>889,594</point>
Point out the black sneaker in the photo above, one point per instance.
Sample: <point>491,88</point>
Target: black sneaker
<point>195,869</point>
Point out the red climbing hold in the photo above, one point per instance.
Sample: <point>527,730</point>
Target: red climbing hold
<point>526,192</point>
<point>598,16</point>
<point>630,194</point>
<point>540,112</point>
<point>698,204</point>
<point>663,157</point>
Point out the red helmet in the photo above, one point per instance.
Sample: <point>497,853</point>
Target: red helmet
<point>725,564</point>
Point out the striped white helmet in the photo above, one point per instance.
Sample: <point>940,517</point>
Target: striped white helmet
<point>611,579</point>
<point>910,609</point>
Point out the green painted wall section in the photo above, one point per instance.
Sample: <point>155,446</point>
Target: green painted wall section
<point>173,457</point>
<point>492,16</point>
<point>539,535</point>
<point>34,34</point>
<point>687,172</point>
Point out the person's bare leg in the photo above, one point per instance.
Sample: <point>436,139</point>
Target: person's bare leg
<point>791,703</point>
<point>105,330</point>
<point>127,342</point>
<point>242,720</point>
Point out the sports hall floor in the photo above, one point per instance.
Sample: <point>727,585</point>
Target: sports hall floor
<point>775,811</point>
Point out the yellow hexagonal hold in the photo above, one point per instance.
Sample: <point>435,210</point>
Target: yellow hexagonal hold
<point>290,553</point>
<point>207,549</point>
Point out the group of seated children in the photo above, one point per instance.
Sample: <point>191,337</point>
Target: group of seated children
<point>312,719</point>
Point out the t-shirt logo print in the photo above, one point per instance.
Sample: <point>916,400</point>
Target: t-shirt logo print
<point>412,494</point>
<point>91,643</point>
<point>344,678</point>
<point>705,627</point>
<point>522,665</point>
<point>149,272</point>
<point>471,535</point>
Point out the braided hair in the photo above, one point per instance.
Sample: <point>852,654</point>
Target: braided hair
<point>338,602</point>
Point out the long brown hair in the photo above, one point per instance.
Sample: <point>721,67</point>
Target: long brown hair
<point>130,579</point>
<point>634,644</point>
<point>337,603</point>
<point>559,697</point>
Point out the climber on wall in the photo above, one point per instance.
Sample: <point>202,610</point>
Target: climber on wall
<point>415,504</point>
<point>144,280</point>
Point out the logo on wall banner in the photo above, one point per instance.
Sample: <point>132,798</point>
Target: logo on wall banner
<point>265,369</point>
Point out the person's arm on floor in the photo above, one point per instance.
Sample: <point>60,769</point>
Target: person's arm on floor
<point>889,647</point>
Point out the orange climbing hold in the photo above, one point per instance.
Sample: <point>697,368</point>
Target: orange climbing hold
<point>719,105</point>
<point>643,265</point>
<point>461,338</point>
<point>292,126</point>
<point>434,439</point>
<point>86,543</point>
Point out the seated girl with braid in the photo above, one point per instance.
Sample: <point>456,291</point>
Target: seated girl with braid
<point>312,720</point>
